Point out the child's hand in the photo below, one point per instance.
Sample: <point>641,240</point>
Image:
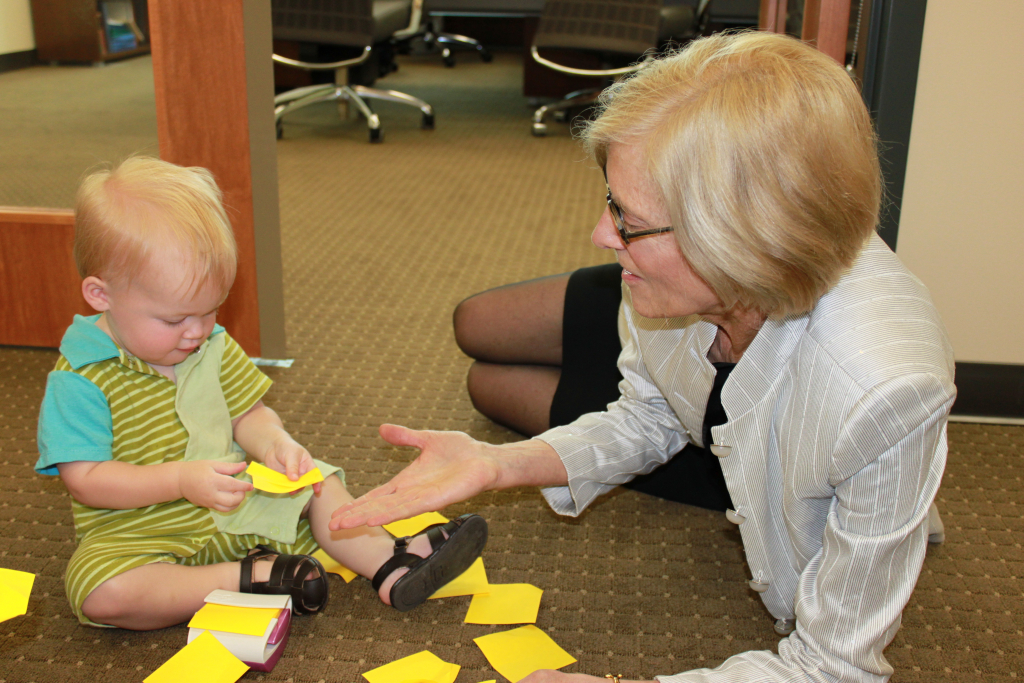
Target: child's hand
<point>209,484</point>
<point>287,456</point>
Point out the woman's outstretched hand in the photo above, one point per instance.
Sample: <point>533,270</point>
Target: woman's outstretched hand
<point>451,467</point>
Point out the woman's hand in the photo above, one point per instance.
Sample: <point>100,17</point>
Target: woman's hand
<point>210,484</point>
<point>451,467</point>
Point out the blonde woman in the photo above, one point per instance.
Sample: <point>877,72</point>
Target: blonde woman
<point>764,320</point>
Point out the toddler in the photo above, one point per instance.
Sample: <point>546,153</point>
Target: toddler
<point>151,410</point>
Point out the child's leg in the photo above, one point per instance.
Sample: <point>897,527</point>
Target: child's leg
<point>157,595</point>
<point>162,594</point>
<point>362,549</point>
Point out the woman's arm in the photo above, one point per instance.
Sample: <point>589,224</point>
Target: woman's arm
<point>451,467</point>
<point>115,485</point>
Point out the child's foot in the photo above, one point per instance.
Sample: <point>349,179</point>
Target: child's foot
<point>266,571</point>
<point>427,561</point>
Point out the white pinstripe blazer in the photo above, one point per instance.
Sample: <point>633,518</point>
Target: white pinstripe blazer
<point>833,451</point>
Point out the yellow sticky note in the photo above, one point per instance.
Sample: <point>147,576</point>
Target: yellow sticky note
<point>473,581</point>
<point>249,621</point>
<point>414,525</point>
<point>266,479</point>
<point>204,660</point>
<point>505,603</point>
<point>518,653</point>
<point>423,666</point>
<point>333,566</point>
<point>15,588</point>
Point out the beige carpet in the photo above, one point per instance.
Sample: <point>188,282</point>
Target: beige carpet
<point>380,242</point>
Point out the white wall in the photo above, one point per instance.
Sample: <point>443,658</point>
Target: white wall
<point>15,26</point>
<point>962,223</point>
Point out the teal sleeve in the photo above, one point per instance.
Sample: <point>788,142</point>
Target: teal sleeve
<point>74,423</point>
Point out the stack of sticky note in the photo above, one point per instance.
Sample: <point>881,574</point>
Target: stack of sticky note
<point>254,628</point>
<point>272,481</point>
<point>15,588</point>
<point>203,660</point>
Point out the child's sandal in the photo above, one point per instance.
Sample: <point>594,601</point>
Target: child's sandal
<point>449,558</point>
<point>288,577</point>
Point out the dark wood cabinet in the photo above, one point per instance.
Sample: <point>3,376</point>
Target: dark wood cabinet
<point>75,31</point>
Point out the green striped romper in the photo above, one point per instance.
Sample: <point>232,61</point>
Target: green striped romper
<point>140,426</point>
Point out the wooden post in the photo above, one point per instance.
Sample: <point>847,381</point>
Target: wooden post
<point>203,79</point>
<point>772,16</point>
<point>826,24</point>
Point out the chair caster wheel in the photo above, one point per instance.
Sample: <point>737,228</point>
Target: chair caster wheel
<point>561,116</point>
<point>539,130</point>
<point>486,56</point>
<point>279,129</point>
<point>449,61</point>
<point>428,122</point>
<point>376,135</point>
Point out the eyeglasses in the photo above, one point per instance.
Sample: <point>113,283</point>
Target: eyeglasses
<point>620,223</point>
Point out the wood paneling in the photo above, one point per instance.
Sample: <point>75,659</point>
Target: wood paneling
<point>199,73</point>
<point>40,291</point>
<point>826,25</point>
<point>772,16</point>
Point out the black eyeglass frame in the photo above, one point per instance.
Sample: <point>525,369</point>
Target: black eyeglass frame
<point>620,223</point>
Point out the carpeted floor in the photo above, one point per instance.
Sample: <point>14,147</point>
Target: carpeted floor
<point>380,242</point>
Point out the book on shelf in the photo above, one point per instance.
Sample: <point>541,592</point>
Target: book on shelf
<point>253,627</point>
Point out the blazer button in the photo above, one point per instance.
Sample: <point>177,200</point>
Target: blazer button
<point>785,626</point>
<point>720,450</point>
<point>758,586</point>
<point>734,517</point>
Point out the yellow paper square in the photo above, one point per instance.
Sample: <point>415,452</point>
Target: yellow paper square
<point>423,666</point>
<point>473,581</point>
<point>15,588</point>
<point>505,603</point>
<point>204,660</point>
<point>266,479</point>
<point>249,621</point>
<point>414,525</point>
<point>333,566</point>
<point>518,653</point>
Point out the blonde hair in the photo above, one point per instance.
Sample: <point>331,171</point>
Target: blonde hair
<point>765,157</point>
<point>123,214</point>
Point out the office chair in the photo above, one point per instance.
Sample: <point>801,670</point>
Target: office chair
<point>426,31</point>
<point>357,24</point>
<point>621,31</point>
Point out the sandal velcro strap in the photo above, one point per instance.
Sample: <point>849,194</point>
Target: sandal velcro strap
<point>288,576</point>
<point>449,557</point>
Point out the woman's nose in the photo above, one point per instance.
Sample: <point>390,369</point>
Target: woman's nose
<point>606,235</point>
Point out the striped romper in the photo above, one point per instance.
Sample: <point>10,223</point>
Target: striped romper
<point>101,404</point>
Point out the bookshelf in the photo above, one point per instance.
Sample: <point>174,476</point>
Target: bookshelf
<point>95,31</point>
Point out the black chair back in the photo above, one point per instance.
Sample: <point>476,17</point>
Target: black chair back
<point>626,26</point>
<point>334,22</point>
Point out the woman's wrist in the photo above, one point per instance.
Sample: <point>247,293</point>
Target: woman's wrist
<point>528,463</point>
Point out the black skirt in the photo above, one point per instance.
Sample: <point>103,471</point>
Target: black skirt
<point>590,381</point>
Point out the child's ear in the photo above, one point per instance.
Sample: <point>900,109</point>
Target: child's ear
<point>95,293</point>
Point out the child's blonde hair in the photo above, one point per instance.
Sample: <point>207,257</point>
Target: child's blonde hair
<point>122,215</point>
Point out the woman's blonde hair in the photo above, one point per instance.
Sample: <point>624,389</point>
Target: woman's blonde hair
<point>125,214</point>
<point>766,160</point>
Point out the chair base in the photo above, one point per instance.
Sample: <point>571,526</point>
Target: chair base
<point>352,94</point>
<point>442,40</point>
<point>580,98</point>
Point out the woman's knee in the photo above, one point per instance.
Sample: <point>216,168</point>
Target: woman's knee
<point>468,324</point>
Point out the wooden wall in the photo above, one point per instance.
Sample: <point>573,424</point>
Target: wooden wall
<point>40,290</point>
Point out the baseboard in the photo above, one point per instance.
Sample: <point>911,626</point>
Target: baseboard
<point>18,60</point>
<point>989,390</point>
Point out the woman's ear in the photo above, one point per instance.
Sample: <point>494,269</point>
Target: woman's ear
<point>95,291</point>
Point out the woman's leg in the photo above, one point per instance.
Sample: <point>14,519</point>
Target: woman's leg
<point>515,335</point>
